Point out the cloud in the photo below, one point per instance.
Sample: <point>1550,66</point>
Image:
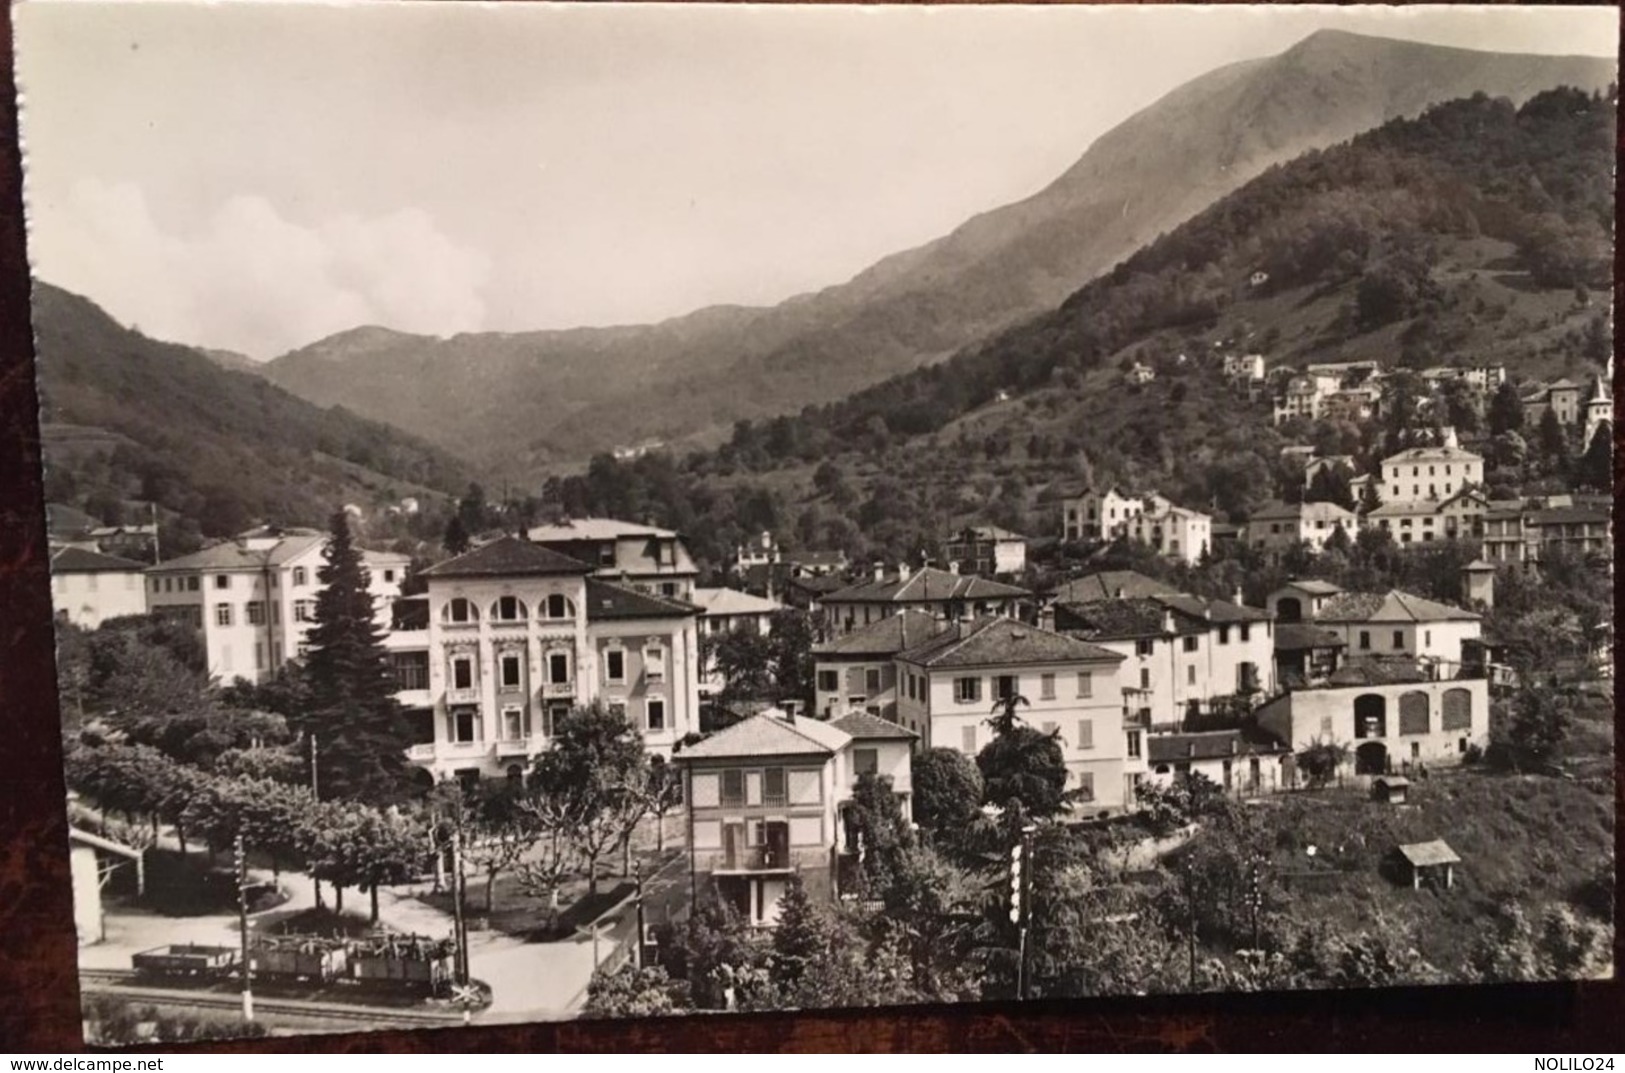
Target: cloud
<point>251,280</point>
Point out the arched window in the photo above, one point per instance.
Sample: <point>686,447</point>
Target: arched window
<point>1288,609</point>
<point>509,609</point>
<point>1413,713</point>
<point>459,610</point>
<point>560,606</point>
<point>1458,709</point>
<point>1370,716</point>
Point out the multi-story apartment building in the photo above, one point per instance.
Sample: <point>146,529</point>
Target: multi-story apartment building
<point>951,684</point>
<point>88,588</point>
<point>1435,473</point>
<point>1520,531</point>
<point>940,593</point>
<point>722,611</point>
<point>764,800</point>
<point>1277,527</point>
<point>1180,653</point>
<point>253,598</point>
<point>512,635</point>
<point>1177,532</point>
<point>986,550</point>
<point>1408,521</point>
<point>1098,514</point>
<point>857,671</point>
<point>646,557</point>
<point>1389,712</point>
<point>1396,623</point>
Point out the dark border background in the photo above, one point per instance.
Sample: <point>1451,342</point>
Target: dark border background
<point>39,991</point>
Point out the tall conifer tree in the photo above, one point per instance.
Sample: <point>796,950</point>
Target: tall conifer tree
<point>360,730</point>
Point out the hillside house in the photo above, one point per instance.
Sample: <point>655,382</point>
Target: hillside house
<point>1306,654</point>
<point>513,636</point>
<point>951,684</point>
<point>1459,517</point>
<point>1520,531</point>
<point>253,599</point>
<point>1247,368</point>
<point>939,593</point>
<point>643,557</point>
<point>1300,599</point>
<point>1429,473</point>
<point>1277,528</point>
<point>1244,762</point>
<point>1563,397</point>
<point>764,802</point>
<point>1108,585</point>
<point>1098,514</point>
<point>857,672</point>
<point>88,587</point>
<point>1176,532</point>
<point>1396,623</point>
<point>987,550</point>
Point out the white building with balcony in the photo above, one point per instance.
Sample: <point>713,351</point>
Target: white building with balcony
<point>512,635</point>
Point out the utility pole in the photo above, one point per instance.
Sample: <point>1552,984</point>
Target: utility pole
<point>459,925</point>
<point>246,969</point>
<point>1190,923</point>
<point>1019,911</point>
<point>637,880</point>
<point>315,786</point>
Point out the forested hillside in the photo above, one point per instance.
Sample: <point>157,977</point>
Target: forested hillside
<point>1476,233</point>
<point>126,418</point>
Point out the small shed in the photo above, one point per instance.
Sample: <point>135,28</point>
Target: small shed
<point>1390,789</point>
<point>1432,862</point>
<point>91,868</point>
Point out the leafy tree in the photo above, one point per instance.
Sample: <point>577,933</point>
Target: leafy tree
<point>1320,761</point>
<point>383,848</point>
<point>456,539</point>
<point>937,908</point>
<point>801,940</point>
<point>630,991</point>
<point>947,791</point>
<point>875,818</point>
<point>353,713</point>
<point>1506,410</point>
<point>664,793</point>
<point>498,833</point>
<point>1330,484</point>
<point>722,957</point>
<point>1539,722</point>
<point>1022,765</point>
<point>595,771</point>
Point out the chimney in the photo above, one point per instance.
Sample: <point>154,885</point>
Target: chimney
<point>953,566</point>
<point>903,572</point>
<point>1190,750</point>
<point>1235,746</point>
<point>1167,621</point>
<point>1236,598</point>
<point>1119,592</point>
<point>880,571</point>
<point>792,708</point>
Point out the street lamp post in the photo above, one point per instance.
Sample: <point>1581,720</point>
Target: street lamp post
<point>459,924</point>
<point>246,971</point>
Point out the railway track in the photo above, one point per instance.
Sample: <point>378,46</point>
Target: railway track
<point>129,984</point>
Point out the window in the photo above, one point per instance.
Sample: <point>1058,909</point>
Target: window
<point>256,612</point>
<point>410,669</point>
<point>830,682</point>
<point>1190,643</point>
<point>1086,786</point>
<point>774,787</point>
<point>1190,675</point>
<point>459,610</point>
<point>222,581</point>
<point>1005,686</point>
<point>513,724</point>
<point>512,673</point>
<point>657,713</point>
<point>1224,635</point>
<point>967,740</point>
<point>1245,631</point>
<point>1144,646</point>
<point>558,667</point>
<point>1086,684</point>
<point>1046,686</point>
<point>1399,638</point>
<point>668,589</point>
<point>304,610</point>
<point>192,584</point>
<point>654,663</point>
<point>222,614</point>
<point>967,690</point>
<point>300,576</point>
<point>1086,733</point>
<point>464,725</point>
<point>871,680</point>
<point>1365,639</point>
<point>733,787</point>
<point>615,665</point>
<point>462,672</point>
<point>617,708</point>
<point>1427,638</point>
<point>259,656</point>
<point>1134,743</point>
<point>1145,678</point>
<point>558,606</point>
<point>865,761</point>
<point>508,609</point>
<point>389,575</point>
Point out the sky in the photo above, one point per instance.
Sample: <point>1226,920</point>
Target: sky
<point>254,176</point>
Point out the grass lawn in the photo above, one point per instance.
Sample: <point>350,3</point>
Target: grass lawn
<point>513,912</point>
<point>185,884</point>
<point>1526,839</point>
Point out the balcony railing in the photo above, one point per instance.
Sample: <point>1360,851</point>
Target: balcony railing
<point>421,752</point>
<point>470,695</point>
<point>516,747</point>
<point>558,689</point>
<point>756,859</point>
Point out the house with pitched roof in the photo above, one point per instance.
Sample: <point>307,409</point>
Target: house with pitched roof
<point>763,801</point>
<point>856,672</point>
<point>252,599</point>
<point>1108,585</point>
<point>1457,517</point>
<point>644,557</point>
<point>515,634</point>
<point>951,684</point>
<point>987,550</point>
<point>943,593</point>
<point>1300,599</point>
<point>1397,623</point>
<point>1436,473</point>
<point>1097,514</point>
<point>1240,761</point>
<point>1276,527</point>
<point>1180,653</point>
<point>88,588</point>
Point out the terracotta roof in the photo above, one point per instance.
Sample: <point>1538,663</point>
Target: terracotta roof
<point>1314,586</point>
<point>81,561</point>
<point>1001,642</point>
<point>1433,454</point>
<point>1424,854</point>
<point>926,585</point>
<point>1392,606</point>
<point>1378,671</point>
<point>1114,620</point>
<point>508,557</point>
<point>1219,611</point>
<point>889,636</point>
<point>594,529</point>
<point>768,734</point>
<point>607,601</point>
<point>229,555</point>
<point>733,602</point>
<point>861,726</point>
<point>1300,636</point>
<point>984,532</point>
<point>1566,516</point>
<point>1208,745</point>
<point>1108,584</point>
